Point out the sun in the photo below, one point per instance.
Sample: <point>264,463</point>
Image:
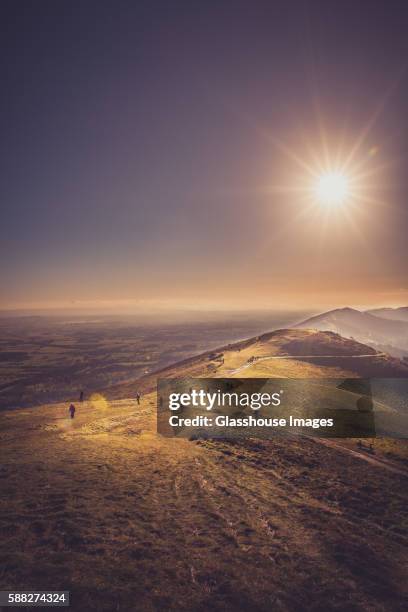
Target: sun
<point>332,188</point>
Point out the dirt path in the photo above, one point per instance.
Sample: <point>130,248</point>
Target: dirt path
<point>296,357</point>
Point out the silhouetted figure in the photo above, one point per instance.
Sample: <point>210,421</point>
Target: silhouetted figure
<point>138,398</point>
<point>72,410</point>
<point>81,396</point>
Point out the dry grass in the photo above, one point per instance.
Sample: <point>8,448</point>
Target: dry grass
<point>128,520</point>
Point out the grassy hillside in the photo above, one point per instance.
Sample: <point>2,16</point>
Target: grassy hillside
<point>293,353</point>
<point>127,520</point>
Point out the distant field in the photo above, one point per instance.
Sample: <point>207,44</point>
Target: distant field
<point>45,359</point>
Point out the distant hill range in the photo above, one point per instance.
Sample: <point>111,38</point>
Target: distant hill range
<point>396,314</point>
<point>385,329</point>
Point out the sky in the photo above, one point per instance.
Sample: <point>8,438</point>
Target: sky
<point>166,154</point>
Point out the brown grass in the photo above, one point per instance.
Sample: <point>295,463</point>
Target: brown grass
<point>128,520</point>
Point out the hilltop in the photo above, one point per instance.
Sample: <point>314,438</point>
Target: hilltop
<point>298,353</point>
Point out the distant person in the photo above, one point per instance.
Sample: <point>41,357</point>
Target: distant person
<point>81,396</point>
<point>138,398</point>
<point>72,410</point>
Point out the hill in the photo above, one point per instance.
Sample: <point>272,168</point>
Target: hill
<point>396,314</point>
<point>385,334</point>
<point>129,520</point>
<point>298,353</point>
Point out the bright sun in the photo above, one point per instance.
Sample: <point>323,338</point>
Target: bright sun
<point>332,188</point>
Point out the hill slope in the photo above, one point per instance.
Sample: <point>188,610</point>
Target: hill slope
<point>126,519</point>
<point>298,353</point>
<point>382,333</point>
<point>397,314</point>
<point>129,520</point>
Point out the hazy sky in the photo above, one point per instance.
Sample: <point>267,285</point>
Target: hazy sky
<point>161,151</point>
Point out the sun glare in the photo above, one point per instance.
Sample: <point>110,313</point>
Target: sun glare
<point>334,182</point>
<point>332,189</point>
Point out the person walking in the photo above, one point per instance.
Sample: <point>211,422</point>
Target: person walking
<point>81,396</point>
<point>72,410</point>
<point>138,398</point>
